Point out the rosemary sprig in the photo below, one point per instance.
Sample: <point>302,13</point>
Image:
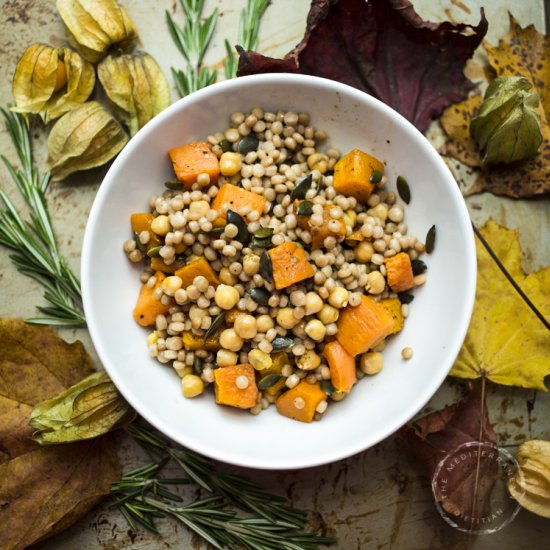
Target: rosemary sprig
<point>272,524</point>
<point>192,40</point>
<point>33,241</point>
<point>249,25</point>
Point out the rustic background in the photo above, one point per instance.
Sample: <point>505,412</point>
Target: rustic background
<point>379,498</point>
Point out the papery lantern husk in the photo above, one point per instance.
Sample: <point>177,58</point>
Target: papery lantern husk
<point>49,81</point>
<point>93,26</point>
<point>136,88</point>
<point>84,138</point>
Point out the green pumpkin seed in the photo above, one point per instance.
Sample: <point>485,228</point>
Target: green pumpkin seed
<point>154,252</point>
<point>216,231</point>
<point>175,185</point>
<point>376,177</point>
<point>405,297</point>
<point>301,188</point>
<point>197,366</point>
<point>282,343</point>
<point>260,295</point>
<point>263,232</point>
<point>266,267</point>
<point>261,243</point>
<point>327,387</point>
<point>225,145</point>
<point>430,240</point>
<point>140,246</point>
<point>268,381</point>
<point>305,208</point>
<point>243,235</point>
<point>403,189</point>
<point>247,144</point>
<point>418,267</point>
<point>215,326</point>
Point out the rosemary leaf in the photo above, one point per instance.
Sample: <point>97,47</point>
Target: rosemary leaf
<point>249,25</point>
<point>33,241</point>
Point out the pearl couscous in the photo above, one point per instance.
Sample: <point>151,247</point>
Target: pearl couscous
<point>274,267</point>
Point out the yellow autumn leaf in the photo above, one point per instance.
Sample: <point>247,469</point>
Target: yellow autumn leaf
<point>506,343</point>
<point>531,485</point>
<point>521,52</point>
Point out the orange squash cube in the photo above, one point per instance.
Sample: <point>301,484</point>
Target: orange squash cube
<point>300,402</point>
<point>320,233</point>
<point>147,306</point>
<point>226,389</point>
<point>236,197</point>
<point>399,272</point>
<point>362,327</point>
<point>290,265</point>
<point>352,174</point>
<point>341,365</point>
<point>142,222</point>
<point>194,268</point>
<point>193,159</point>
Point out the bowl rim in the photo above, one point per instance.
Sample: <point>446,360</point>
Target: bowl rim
<point>468,283</point>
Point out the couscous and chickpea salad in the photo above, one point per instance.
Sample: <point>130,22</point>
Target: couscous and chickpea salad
<point>273,269</point>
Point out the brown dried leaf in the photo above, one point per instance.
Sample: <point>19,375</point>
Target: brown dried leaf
<point>522,52</point>
<point>436,435</point>
<point>43,490</point>
<point>385,49</point>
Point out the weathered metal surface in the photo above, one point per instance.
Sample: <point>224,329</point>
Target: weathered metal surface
<point>379,498</point>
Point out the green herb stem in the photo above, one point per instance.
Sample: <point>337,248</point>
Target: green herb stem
<point>271,524</point>
<point>33,241</point>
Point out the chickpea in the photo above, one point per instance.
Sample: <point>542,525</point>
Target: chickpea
<point>371,362</point>
<point>226,297</point>
<point>407,353</point>
<point>191,385</point>
<point>286,319</point>
<point>251,264</point>
<point>227,278</point>
<point>160,225</point>
<point>314,303</point>
<point>309,361</point>
<point>230,340</point>
<point>199,207</point>
<point>338,298</point>
<point>264,323</point>
<point>380,211</point>
<point>230,164</point>
<point>328,314</point>
<point>315,330</point>
<point>259,359</point>
<point>226,358</point>
<point>171,285</point>
<point>350,217</point>
<point>375,282</point>
<point>363,252</point>
<point>245,326</point>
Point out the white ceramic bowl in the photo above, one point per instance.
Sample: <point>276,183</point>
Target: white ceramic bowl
<point>378,405</point>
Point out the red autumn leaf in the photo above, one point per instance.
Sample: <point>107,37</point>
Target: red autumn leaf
<point>437,435</point>
<point>385,49</point>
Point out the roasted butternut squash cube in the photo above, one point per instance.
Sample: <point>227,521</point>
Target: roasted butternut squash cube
<point>147,306</point>
<point>280,359</point>
<point>235,198</point>
<point>157,264</point>
<point>363,326</point>
<point>193,159</point>
<point>196,267</point>
<point>399,272</point>
<point>290,265</point>
<point>142,222</point>
<point>320,233</point>
<point>393,307</point>
<point>352,174</point>
<point>229,390</point>
<point>300,402</point>
<point>342,366</point>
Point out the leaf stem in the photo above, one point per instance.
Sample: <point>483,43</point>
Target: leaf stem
<point>511,280</point>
